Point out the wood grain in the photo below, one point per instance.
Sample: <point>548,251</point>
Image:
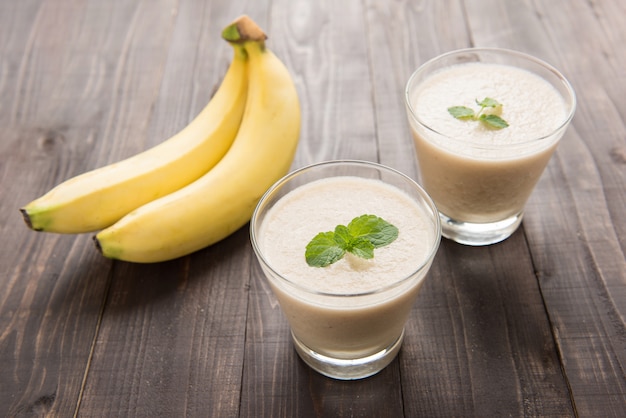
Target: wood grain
<point>533,326</point>
<point>65,91</point>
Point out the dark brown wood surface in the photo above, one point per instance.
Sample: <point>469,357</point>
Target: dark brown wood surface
<point>533,326</point>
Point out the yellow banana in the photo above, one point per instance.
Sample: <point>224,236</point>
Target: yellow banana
<point>98,198</point>
<point>221,201</point>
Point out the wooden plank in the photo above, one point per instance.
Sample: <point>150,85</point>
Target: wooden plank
<point>479,342</point>
<point>332,76</point>
<point>400,37</point>
<point>60,83</point>
<point>574,219</point>
<point>172,335</point>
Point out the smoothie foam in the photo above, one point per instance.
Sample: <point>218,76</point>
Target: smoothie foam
<point>475,173</point>
<point>319,207</point>
<point>533,108</point>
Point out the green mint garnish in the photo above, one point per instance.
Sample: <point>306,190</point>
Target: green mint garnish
<point>362,235</point>
<point>490,119</point>
<point>494,121</point>
<point>488,102</point>
<point>461,112</point>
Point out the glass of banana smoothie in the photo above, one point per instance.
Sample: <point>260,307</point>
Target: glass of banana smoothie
<point>345,247</point>
<point>485,123</point>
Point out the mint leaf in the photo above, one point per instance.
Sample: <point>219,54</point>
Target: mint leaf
<point>488,102</point>
<point>342,236</point>
<point>362,235</point>
<point>461,112</point>
<point>323,250</point>
<point>494,121</point>
<point>363,248</point>
<point>376,230</point>
<point>490,119</point>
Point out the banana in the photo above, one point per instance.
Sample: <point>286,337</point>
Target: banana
<point>221,201</point>
<point>97,199</point>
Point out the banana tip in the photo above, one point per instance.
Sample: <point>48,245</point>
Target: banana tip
<point>106,250</point>
<point>97,243</point>
<point>26,218</point>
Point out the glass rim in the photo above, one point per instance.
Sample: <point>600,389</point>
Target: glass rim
<point>430,204</point>
<point>571,99</point>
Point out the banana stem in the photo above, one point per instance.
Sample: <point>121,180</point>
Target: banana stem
<point>242,30</point>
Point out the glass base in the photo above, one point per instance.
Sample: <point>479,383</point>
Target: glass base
<point>348,369</point>
<point>477,234</point>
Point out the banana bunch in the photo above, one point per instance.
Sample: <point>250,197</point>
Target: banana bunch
<point>202,184</point>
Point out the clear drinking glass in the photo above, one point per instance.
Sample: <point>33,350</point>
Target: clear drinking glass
<point>353,329</point>
<point>480,177</point>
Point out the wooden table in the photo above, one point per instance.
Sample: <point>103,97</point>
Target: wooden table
<point>533,326</point>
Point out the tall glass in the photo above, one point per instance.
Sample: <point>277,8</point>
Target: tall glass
<point>347,319</point>
<point>479,175</point>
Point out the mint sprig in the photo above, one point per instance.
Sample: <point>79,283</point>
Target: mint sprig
<point>490,119</point>
<point>362,235</point>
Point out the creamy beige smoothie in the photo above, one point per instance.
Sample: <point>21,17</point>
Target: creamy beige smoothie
<point>355,307</point>
<point>473,172</point>
<point>485,122</point>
